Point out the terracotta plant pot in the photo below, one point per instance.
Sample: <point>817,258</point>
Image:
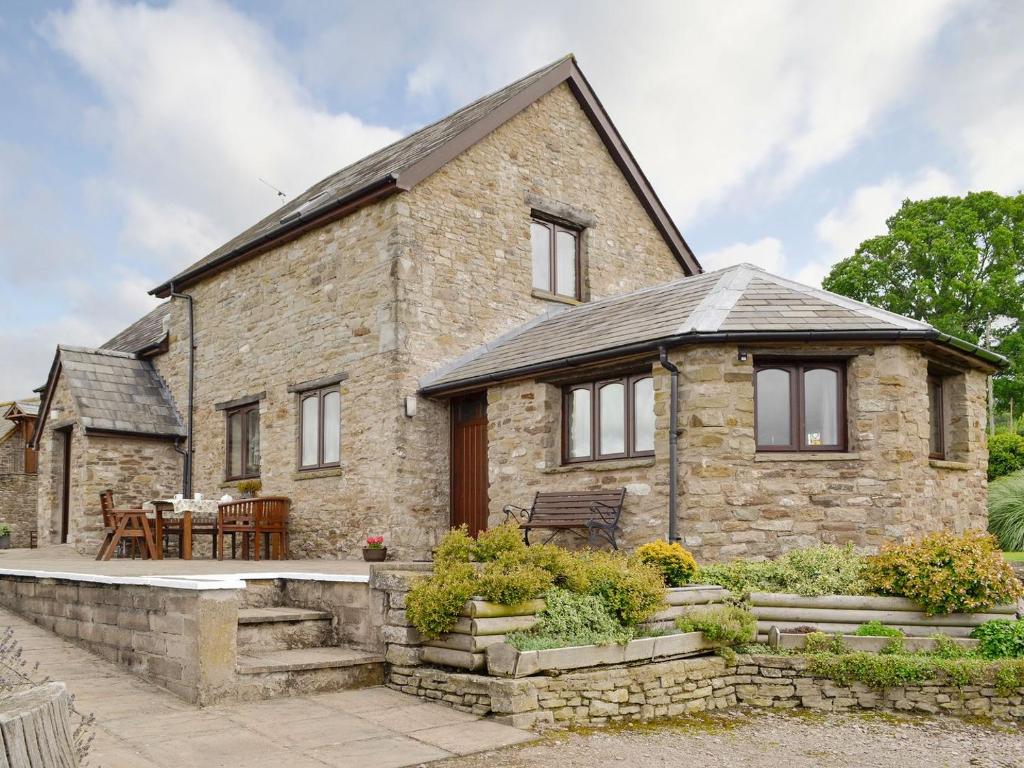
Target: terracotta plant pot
<point>376,555</point>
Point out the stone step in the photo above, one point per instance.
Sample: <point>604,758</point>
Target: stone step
<point>281,628</point>
<point>306,670</point>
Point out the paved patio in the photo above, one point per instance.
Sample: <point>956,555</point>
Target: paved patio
<point>64,559</point>
<point>140,726</point>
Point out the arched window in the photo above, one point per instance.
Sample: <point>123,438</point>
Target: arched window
<point>608,419</point>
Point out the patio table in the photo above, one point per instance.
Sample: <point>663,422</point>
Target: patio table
<point>187,511</point>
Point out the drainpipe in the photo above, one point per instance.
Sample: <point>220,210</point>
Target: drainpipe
<point>188,452</point>
<point>673,437</point>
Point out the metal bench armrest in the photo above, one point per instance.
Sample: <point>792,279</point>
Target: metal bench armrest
<point>608,514</point>
<point>513,512</point>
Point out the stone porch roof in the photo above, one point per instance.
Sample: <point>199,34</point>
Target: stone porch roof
<point>742,302</point>
<point>113,392</point>
<point>146,333</point>
<point>403,164</point>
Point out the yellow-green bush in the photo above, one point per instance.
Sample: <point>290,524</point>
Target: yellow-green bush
<point>676,564</point>
<point>456,546</point>
<point>945,573</point>
<point>510,580</point>
<point>501,540</point>
<point>566,568</point>
<point>632,590</point>
<point>726,626</point>
<point>434,604</point>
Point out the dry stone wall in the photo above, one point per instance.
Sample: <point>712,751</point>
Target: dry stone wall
<point>18,490</point>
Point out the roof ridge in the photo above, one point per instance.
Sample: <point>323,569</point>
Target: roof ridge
<point>716,305</point>
<point>97,351</point>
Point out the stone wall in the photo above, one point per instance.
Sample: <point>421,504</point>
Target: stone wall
<point>671,688</point>
<point>182,640</point>
<point>385,296</point>
<point>735,502</point>
<point>18,490</point>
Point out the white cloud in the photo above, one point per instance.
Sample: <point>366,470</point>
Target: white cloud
<point>842,229</point>
<point>995,151</point>
<point>766,253</point>
<point>196,109</point>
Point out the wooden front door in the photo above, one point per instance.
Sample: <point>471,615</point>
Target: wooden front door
<point>65,484</point>
<point>469,462</point>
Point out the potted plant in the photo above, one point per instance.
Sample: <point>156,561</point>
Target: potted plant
<point>249,489</point>
<point>375,551</point>
<point>5,536</point>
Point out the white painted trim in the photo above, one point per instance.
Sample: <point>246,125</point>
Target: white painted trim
<point>202,582</point>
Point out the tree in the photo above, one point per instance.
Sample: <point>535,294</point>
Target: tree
<point>954,262</point>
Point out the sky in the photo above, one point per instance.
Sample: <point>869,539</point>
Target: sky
<point>137,137</point>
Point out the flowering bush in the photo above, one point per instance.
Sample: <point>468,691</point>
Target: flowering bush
<point>374,542</point>
<point>945,573</point>
<point>676,564</point>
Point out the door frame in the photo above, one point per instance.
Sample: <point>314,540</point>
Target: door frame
<point>65,483</point>
<point>452,426</point>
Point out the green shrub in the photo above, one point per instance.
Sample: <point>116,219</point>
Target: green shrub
<point>677,565</point>
<point>945,573</point>
<point>948,648</point>
<point>566,568</point>
<point>727,626</point>
<point>456,546</point>
<point>632,590</point>
<point>877,629</point>
<point>509,580</point>
<point>1006,511</point>
<point>505,539</point>
<point>890,671</point>
<point>824,570</point>
<point>434,604</point>
<point>569,620</point>
<point>821,642</point>
<point>1005,454</point>
<point>1000,639</point>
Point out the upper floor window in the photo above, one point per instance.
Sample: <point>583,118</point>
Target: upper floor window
<point>243,442</point>
<point>556,258</point>
<point>320,428</point>
<point>800,406</point>
<point>610,419</point>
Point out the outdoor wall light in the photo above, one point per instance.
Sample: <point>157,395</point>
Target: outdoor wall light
<point>410,405</point>
<point>742,356</point>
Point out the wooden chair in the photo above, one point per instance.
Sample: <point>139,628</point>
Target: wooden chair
<point>596,512</point>
<point>126,528</point>
<point>264,518</point>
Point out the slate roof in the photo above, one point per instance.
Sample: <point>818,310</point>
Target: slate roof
<point>117,392</point>
<point>146,332</point>
<point>28,407</point>
<point>438,141</point>
<point>743,300</point>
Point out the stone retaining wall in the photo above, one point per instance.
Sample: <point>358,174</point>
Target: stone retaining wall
<point>180,639</point>
<point>670,688</point>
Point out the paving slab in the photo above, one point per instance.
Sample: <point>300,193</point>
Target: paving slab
<point>139,725</point>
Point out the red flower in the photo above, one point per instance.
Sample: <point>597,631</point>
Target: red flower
<point>374,542</point>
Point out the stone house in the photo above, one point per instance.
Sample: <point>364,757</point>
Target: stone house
<point>490,307</point>
<point>18,461</point>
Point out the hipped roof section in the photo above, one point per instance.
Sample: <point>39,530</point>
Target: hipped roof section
<point>402,165</point>
<point>741,303</point>
<point>147,333</point>
<point>112,392</point>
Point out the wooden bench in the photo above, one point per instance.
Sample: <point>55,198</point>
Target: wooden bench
<point>596,512</point>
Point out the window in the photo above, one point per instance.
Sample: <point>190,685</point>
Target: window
<point>320,428</point>
<point>800,407</point>
<point>936,419</point>
<point>556,258</point>
<point>243,442</point>
<point>611,419</point>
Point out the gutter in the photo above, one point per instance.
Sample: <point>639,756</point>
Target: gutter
<point>369,192</point>
<point>673,440</point>
<point>188,453</point>
<point>654,345</point>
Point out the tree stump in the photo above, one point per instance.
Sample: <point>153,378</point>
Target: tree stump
<point>35,726</point>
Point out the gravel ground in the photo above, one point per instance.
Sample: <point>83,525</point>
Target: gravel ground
<point>755,739</point>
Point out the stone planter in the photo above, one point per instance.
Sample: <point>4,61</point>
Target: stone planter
<point>796,641</point>
<point>375,554</point>
<point>505,661</point>
<point>842,614</point>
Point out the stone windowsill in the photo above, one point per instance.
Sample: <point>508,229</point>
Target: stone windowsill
<point>601,466</point>
<point>808,456</point>
<point>959,466</point>
<point>315,474</point>
<point>546,296</point>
